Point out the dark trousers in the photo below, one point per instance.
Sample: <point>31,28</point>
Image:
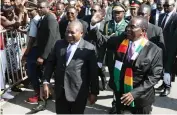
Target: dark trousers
<point>102,74</point>
<point>121,109</point>
<point>65,107</point>
<point>34,71</point>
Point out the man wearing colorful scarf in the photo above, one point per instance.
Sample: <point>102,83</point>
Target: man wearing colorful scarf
<point>138,67</point>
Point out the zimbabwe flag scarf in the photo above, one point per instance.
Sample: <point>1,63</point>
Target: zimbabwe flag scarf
<point>128,75</point>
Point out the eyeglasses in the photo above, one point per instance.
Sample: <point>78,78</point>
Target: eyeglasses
<point>68,13</point>
<point>142,14</point>
<point>132,27</point>
<point>40,7</point>
<point>167,5</point>
<point>93,10</point>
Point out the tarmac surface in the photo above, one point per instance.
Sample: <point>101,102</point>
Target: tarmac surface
<point>162,105</point>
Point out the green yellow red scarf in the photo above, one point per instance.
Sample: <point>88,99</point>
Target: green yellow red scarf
<point>128,75</point>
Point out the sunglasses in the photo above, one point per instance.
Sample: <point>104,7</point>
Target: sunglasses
<point>40,7</point>
<point>167,5</point>
<point>142,14</point>
<point>93,10</point>
<point>68,13</point>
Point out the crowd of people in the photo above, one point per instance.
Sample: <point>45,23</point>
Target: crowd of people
<point>74,41</point>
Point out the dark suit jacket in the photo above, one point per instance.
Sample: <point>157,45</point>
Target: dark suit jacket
<point>48,33</point>
<point>64,23</point>
<point>170,36</point>
<point>79,77</point>
<point>153,16</point>
<point>155,35</point>
<point>147,70</point>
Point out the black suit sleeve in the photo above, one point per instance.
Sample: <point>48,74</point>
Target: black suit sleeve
<point>94,84</point>
<point>50,64</point>
<point>152,77</point>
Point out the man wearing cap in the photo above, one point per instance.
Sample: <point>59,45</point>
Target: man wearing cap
<point>134,6</point>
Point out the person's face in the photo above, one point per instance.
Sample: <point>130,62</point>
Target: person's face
<point>42,9</point>
<point>160,5</point>
<point>133,31</point>
<point>7,3</point>
<point>73,34</point>
<point>105,3</point>
<point>168,6</point>
<point>94,10</point>
<point>89,3</point>
<point>59,9</point>
<point>71,14</point>
<point>144,13</point>
<point>118,15</point>
<point>134,11</point>
<point>32,14</point>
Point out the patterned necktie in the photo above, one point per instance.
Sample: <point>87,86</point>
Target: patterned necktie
<point>69,49</point>
<point>131,51</point>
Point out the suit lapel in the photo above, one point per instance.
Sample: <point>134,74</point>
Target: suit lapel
<point>169,21</point>
<point>141,55</point>
<point>79,47</point>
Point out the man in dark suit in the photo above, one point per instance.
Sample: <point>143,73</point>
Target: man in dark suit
<point>154,33</point>
<point>156,12</point>
<point>75,64</point>
<point>48,32</point>
<point>60,12</point>
<point>108,10</point>
<point>168,22</point>
<point>71,14</point>
<point>95,8</point>
<point>135,93</point>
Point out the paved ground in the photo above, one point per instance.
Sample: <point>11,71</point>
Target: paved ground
<point>162,105</point>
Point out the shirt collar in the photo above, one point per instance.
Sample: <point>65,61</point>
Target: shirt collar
<point>159,11</point>
<point>76,43</point>
<point>119,22</point>
<point>36,17</point>
<point>137,42</point>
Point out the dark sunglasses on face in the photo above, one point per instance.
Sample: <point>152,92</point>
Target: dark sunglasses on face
<point>141,14</point>
<point>40,7</point>
<point>167,5</point>
<point>69,13</point>
<point>93,10</point>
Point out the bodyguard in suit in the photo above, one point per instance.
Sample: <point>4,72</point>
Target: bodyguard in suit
<point>91,36</point>
<point>168,22</point>
<point>48,32</point>
<point>135,71</point>
<point>71,14</point>
<point>74,62</point>
<point>156,12</point>
<point>108,10</point>
<point>154,33</point>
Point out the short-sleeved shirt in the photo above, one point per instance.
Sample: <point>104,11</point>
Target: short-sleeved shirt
<point>33,27</point>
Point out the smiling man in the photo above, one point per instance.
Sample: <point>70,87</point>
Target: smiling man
<point>75,65</point>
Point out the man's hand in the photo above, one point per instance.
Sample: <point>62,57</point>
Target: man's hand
<point>127,99</point>
<point>44,92</point>
<point>97,17</point>
<point>40,61</point>
<point>23,59</point>
<point>92,99</point>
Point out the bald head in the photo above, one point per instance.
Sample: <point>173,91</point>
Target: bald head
<point>77,25</point>
<point>74,31</point>
<point>140,22</point>
<point>145,11</point>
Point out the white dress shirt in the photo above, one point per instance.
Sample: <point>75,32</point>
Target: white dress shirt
<point>134,46</point>
<point>96,25</point>
<point>169,15</point>
<point>157,16</point>
<point>73,50</point>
